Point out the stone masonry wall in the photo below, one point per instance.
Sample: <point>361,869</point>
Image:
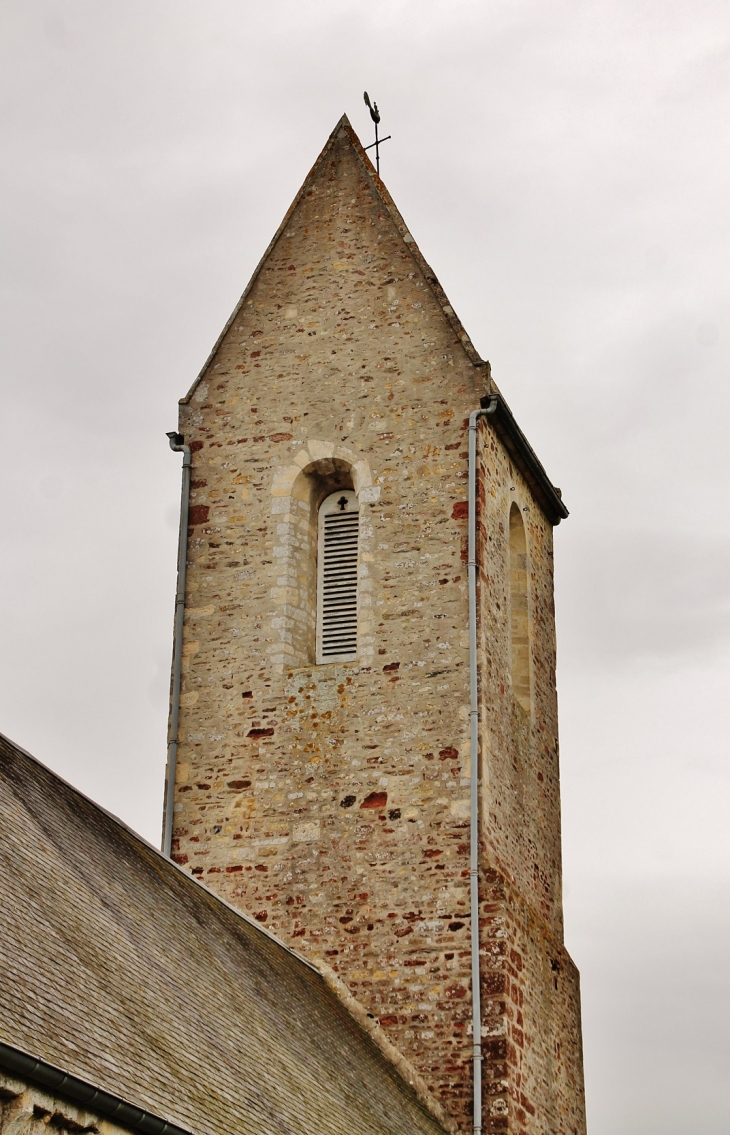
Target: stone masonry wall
<point>521,782</point>
<point>332,802</point>
<point>533,1063</point>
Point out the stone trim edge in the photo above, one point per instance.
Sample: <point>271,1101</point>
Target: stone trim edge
<point>371,1025</point>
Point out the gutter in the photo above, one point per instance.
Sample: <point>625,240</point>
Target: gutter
<point>70,1087</point>
<point>525,458</point>
<point>488,408</point>
<point>177,446</point>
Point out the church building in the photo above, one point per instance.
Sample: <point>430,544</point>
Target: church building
<point>355,921</point>
<point>321,774</point>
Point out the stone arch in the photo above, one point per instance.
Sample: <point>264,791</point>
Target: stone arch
<point>320,453</point>
<point>298,490</point>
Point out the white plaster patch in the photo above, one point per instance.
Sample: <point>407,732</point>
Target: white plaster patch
<point>460,809</point>
<point>304,833</point>
<point>369,494</point>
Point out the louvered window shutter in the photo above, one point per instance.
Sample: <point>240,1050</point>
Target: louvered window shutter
<point>339,522</point>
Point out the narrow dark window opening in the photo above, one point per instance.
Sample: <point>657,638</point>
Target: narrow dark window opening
<point>519,610</point>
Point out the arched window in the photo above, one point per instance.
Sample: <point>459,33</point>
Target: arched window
<point>337,556</point>
<point>519,620</point>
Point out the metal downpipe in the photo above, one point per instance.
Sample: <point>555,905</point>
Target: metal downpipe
<point>476,1000</point>
<point>176,444</point>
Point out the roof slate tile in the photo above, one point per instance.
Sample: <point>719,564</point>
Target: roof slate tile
<point>119,968</point>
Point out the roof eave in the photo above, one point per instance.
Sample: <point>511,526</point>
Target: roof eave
<point>521,452</point>
<point>77,1091</point>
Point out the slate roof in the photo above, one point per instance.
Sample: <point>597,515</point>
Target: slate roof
<point>122,970</point>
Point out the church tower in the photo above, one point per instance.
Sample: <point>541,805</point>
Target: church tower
<point>320,770</point>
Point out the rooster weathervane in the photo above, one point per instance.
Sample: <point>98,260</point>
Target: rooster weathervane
<point>375,115</point>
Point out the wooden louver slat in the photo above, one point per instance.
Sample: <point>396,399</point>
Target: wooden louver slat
<point>338,546</point>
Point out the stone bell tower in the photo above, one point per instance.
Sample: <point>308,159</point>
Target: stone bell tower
<point>323,771</point>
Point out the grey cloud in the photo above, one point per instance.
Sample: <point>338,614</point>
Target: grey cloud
<point>640,595</point>
<point>564,168</point>
<point>653,970</point>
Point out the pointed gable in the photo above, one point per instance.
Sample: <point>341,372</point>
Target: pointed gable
<point>343,167</point>
<point>343,292</point>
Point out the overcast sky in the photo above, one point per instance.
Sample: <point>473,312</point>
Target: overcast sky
<point>565,169</point>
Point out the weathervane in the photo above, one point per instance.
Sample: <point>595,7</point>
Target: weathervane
<point>375,115</point>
